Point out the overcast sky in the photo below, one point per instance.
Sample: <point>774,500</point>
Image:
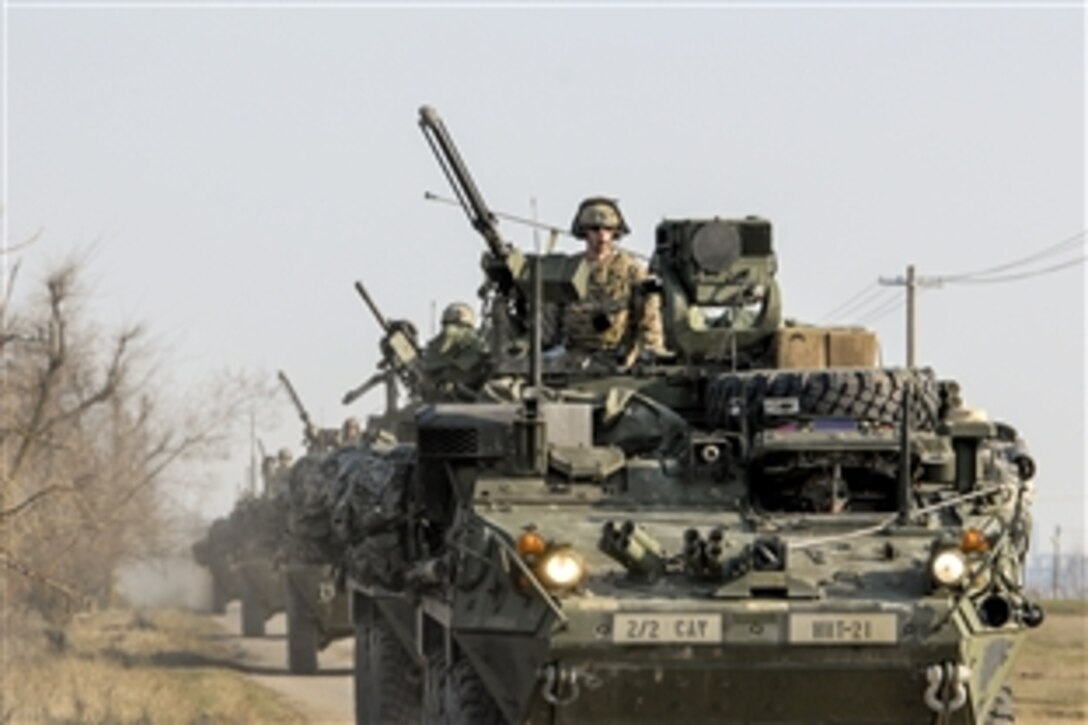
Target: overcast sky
<point>236,169</point>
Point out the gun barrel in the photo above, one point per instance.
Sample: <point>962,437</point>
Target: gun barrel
<point>355,393</point>
<point>479,215</point>
<point>382,322</point>
<point>295,399</point>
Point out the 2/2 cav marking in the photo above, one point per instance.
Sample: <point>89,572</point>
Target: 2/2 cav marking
<point>666,628</point>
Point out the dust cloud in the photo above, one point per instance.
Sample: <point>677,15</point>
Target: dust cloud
<point>174,581</point>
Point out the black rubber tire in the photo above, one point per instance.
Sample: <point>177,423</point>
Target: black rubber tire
<point>465,699</point>
<point>219,597</point>
<point>254,612</point>
<point>388,685</point>
<point>1003,711</point>
<point>862,394</point>
<point>359,674</point>
<point>434,690</point>
<point>302,626</point>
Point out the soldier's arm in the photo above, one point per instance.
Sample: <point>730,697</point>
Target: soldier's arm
<point>649,331</point>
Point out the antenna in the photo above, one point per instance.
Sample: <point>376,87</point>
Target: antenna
<point>536,227</point>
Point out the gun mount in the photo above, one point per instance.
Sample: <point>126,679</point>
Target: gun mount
<point>400,355</point>
<point>507,270</point>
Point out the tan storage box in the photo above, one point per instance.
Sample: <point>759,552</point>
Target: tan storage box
<point>814,348</point>
<point>851,349</point>
<point>800,347</point>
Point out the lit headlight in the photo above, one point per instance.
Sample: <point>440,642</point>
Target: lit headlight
<point>949,568</point>
<point>562,569</point>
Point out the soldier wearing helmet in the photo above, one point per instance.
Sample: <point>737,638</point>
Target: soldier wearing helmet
<point>455,362</point>
<point>277,472</point>
<point>350,432</point>
<point>616,315</point>
<point>459,314</point>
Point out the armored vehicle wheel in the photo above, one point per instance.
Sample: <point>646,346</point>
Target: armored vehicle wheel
<point>387,681</point>
<point>434,690</point>
<point>302,629</point>
<point>1003,711</point>
<point>253,611</point>
<point>465,700</point>
<point>219,597</point>
<point>864,394</point>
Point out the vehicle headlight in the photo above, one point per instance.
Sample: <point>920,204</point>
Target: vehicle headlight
<point>949,568</point>
<point>562,569</point>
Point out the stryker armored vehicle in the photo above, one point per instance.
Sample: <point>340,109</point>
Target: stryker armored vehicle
<point>763,527</point>
<point>213,553</point>
<point>239,551</point>
<point>316,603</point>
<point>258,523</point>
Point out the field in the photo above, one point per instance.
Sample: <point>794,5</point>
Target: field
<point>1050,681</point>
<point>127,667</point>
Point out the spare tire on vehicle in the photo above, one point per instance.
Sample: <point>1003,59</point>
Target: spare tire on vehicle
<point>862,394</point>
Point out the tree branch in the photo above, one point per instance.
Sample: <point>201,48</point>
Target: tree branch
<point>30,500</point>
<point>70,593</point>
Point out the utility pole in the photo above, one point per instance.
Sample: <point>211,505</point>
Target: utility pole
<point>911,282</point>
<point>252,453</point>
<point>1055,570</point>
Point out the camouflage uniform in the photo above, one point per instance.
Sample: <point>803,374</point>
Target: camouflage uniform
<point>455,362</point>
<point>277,472</point>
<point>615,315</point>
<point>350,432</point>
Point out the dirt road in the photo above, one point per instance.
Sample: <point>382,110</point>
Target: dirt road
<point>326,697</point>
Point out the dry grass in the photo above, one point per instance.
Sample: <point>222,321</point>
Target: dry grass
<point>126,667</point>
<point>1050,679</point>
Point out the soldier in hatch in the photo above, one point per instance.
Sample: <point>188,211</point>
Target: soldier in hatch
<point>455,362</point>
<point>278,472</point>
<point>616,316</point>
<point>350,432</point>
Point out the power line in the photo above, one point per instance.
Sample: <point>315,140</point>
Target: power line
<point>864,305</point>
<point>1067,243</point>
<point>836,310</point>
<point>1015,277</point>
<point>886,309</point>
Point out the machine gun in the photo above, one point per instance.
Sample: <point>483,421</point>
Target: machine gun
<point>400,356</point>
<point>381,377</point>
<point>503,263</point>
<point>508,271</point>
<point>315,437</point>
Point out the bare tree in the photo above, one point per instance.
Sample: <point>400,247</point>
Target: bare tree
<point>87,444</point>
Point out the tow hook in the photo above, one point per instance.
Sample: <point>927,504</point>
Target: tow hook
<point>560,685</point>
<point>947,690</point>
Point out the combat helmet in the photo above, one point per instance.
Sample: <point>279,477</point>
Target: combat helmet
<point>598,211</point>
<point>458,313</point>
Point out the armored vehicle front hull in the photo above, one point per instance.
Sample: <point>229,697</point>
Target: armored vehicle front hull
<point>769,664</point>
